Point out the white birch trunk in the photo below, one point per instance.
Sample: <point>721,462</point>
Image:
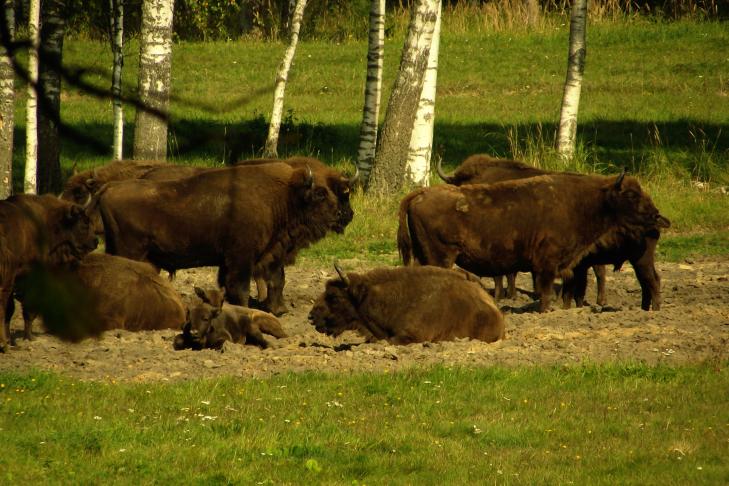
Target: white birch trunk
<point>373,90</point>
<point>417,169</point>
<point>388,171</point>
<point>31,109</point>
<point>155,67</point>
<point>271,148</point>
<point>7,101</point>
<point>566,138</point>
<point>117,44</point>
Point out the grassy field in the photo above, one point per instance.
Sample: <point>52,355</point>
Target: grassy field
<point>609,424</point>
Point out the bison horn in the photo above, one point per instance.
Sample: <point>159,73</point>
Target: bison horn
<point>355,178</point>
<point>620,178</point>
<point>74,170</point>
<point>309,176</point>
<point>342,275</point>
<point>443,175</point>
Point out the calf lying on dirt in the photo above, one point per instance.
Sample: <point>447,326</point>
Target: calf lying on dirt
<point>211,322</point>
<point>408,305</point>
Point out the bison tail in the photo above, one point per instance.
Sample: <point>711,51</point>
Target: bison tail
<point>404,238</point>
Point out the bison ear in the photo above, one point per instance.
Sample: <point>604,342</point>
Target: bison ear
<point>202,294</point>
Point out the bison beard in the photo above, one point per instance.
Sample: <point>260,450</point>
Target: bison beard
<point>544,224</point>
<point>640,252</point>
<point>245,220</point>
<point>408,305</point>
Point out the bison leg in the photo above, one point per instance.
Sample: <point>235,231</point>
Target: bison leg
<point>575,287</point>
<point>545,281</point>
<point>498,287</point>
<point>650,285</point>
<point>600,276</point>
<point>275,303</point>
<point>237,284</point>
<point>511,285</point>
<point>28,318</point>
<point>7,309</point>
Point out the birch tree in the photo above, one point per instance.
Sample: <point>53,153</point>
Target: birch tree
<point>7,99</point>
<point>373,90</point>
<point>52,32</point>
<point>155,66</point>
<point>388,172</point>
<point>566,138</point>
<point>31,114</point>
<point>417,170</point>
<point>117,44</point>
<point>271,148</point>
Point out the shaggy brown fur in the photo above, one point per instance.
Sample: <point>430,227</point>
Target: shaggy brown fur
<point>37,230</point>
<point>640,252</point>
<point>408,305</point>
<point>490,231</point>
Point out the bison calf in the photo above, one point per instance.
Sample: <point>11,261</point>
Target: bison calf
<point>211,322</point>
<point>408,305</point>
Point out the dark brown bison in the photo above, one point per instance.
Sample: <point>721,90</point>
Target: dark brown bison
<point>640,252</point>
<point>407,305</point>
<point>211,322</point>
<point>38,230</point>
<point>545,224</point>
<point>244,220</point>
<point>341,186</point>
<point>121,294</point>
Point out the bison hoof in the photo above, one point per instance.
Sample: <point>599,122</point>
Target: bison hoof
<point>179,342</point>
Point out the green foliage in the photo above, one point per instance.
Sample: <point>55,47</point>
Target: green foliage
<point>623,423</point>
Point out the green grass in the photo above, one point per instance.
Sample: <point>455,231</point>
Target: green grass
<point>583,424</point>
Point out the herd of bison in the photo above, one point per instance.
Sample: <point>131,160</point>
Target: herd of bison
<point>492,218</point>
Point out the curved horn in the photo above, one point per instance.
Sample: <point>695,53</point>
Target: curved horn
<point>443,175</point>
<point>341,273</point>
<point>95,173</point>
<point>355,178</point>
<point>619,181</point>
<point>309,176</point>
<point>74,170</point>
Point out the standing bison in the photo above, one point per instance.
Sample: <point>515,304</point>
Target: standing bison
<point>245,220</point>
<point>37,230</point>
<point>545,224</point>
<point>639,251</point>
<point>408,305</point>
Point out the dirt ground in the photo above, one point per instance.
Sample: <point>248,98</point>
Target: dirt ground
<point>692,326</point>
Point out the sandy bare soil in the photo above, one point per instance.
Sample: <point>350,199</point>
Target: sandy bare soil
<point>692,326</point>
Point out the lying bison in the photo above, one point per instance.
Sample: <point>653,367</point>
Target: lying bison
<point>242,219</point>
<point>639,251</point>
<point>211,322</point>
<point>545,224</point>
<point>37,230</point>
<point>119,294</point>
<point>408,305</point>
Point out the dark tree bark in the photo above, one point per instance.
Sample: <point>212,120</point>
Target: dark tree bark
<point>53,26</point>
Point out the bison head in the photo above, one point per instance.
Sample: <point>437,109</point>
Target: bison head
<point>334,311</point>
<point>633,207</point>
<point>70,231</point>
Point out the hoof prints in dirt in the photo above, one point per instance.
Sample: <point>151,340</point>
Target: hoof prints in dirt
<point>692,326</point>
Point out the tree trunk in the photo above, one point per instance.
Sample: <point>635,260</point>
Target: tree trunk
<point>155,66</point>
<point>417,171</point>
<point>49,95</point>
<point>31,112</point>
<point>117,44</point>
<point>566,139</point>
<point>373,90</point>
<point>7,100</point>
<point>271,148</point>
<point>388,172</point>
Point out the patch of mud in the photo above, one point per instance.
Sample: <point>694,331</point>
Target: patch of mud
<point>692,326</point>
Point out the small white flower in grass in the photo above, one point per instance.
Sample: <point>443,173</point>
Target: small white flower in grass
<point>122,450</point>
<point>96,417</point>
<point>205,402</point>
<point>699,468</point>
<point>476,430</point>
<point>130,410</point>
